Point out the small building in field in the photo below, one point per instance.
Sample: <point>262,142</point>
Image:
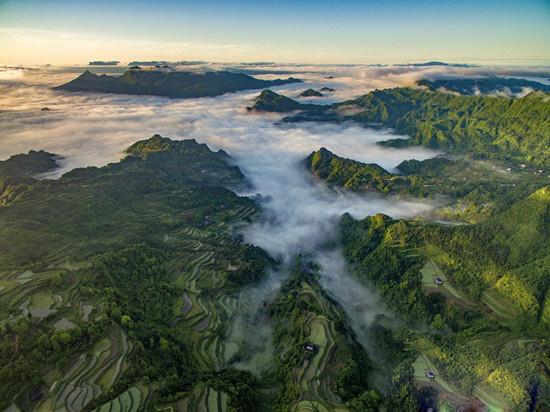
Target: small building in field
<point>438,281</point>
<point>430,375</point>
<point>311,348</point>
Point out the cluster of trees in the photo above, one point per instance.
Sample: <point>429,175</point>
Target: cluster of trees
<point>121,226</point>
<point>488,127</point>
<point>516,129</point>
<point>27,348</point>
<point>301,300</point>
<point>507,253</point>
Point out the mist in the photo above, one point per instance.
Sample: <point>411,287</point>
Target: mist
<point>299,214</point>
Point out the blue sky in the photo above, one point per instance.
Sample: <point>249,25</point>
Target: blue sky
<point>348,31</point>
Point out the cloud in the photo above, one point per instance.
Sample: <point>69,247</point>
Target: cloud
<point>300,214</point>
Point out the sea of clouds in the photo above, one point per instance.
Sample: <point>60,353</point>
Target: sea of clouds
<point>300,215</point>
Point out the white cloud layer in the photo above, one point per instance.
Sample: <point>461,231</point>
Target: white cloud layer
<point>300,214</point>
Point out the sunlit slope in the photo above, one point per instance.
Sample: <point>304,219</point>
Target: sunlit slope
<point>319,364</point>
<point>485,85</point>
<point>487,323</point>
<point>467,189</point>
<point>484,126</point>
<point>117,283</point>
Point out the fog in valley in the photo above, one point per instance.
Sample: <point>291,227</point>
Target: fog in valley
<point>300,215</point>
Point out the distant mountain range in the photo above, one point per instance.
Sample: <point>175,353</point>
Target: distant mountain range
<point>485,85</point>
<point>170,84</point>
<point>436,63</point>
<point>103,63</point>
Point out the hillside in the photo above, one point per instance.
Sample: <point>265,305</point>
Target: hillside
<point>485,85</point>
<point>469,190</point>
<point>28,165</point>
<point>269,101</point>
<point>18,172</point>
<point>319,363</point>
<point>110,275</point>
<point>170,84</point>
<point>516,130</point>
<point>488,319</point>
<point>483,328</point>
<point>347,173</point>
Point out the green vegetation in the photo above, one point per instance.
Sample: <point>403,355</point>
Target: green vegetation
<point>319,363</point>
<point>272,102</point>
<point>483,329</point>
<point>170,83</point>
<point>17,172</point>
<point>474,189</point>
<point>487,330</point>
<point>310,93</point>
<point>484,85</point>
<point>517,130</point>
<point>94,265</point>
<point>347,173</point>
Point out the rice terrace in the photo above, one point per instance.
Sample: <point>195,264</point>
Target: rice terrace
<point>274,206</point>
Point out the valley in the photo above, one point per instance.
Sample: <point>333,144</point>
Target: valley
<point>281,275</point>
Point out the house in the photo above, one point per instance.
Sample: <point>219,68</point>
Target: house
<point>438,281</point>
<point>310,347</point>
<point>430,375</point>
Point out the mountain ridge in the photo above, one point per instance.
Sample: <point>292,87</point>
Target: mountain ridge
<point>169,84</point>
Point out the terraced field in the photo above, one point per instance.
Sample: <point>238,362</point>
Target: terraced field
<point>129,401</point>
<point>91,374</point>
<point>203,399</point>
<point>312,374</point>
<point>78,258</point>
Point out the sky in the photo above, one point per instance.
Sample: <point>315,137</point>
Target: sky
<point>324,32</point>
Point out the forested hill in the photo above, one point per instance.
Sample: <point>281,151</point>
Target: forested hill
<point>117,282</point>
<point>28,165</point>
<point>473,189</point>
<point>17,173</point>
<point>490,314</point>
<point>483,126</point>
<point>485,85</point>
<point>170,84</point>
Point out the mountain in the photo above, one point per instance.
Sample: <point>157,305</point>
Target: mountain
<point>483,290</point>
<point>28,165</point>
<point>103,63</point>
<point>310,93</point>
<point>517,130</point>
<point>469,190</point>
<point>468,295</point>
<point>18,172</point>
<point>169,84</point>
<point>113,277</point>
<point>270,101</point>
<point>347,173</point>
<point>485,85</point>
